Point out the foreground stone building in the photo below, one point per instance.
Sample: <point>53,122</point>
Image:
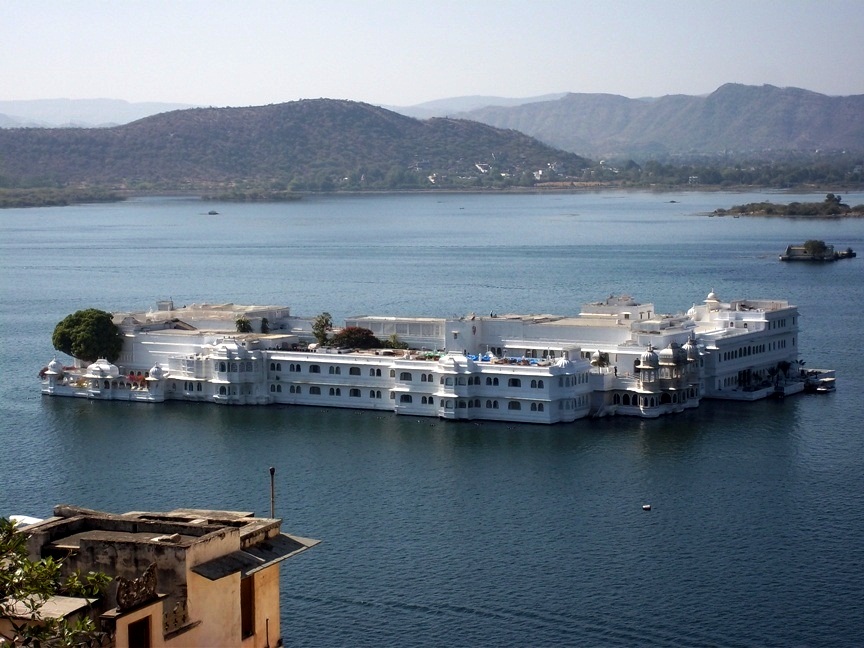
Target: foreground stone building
<point>187,577</point>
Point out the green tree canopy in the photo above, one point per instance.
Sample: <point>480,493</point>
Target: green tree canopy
<point>88,335</point>
<point>815,247</point>
<point>322,324</point>
<point>355,337</point>
<point>243,325</point>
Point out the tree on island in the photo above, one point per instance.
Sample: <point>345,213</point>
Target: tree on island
<point>355,337</point>
<point>25,587</point>
<point>88,335</point>
<point>322,324</point>
<point>816,248</point>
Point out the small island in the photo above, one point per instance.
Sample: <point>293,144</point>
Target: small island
<point>831,207</point>
<point>814,250</point>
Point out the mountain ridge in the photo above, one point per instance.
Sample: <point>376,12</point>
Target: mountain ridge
<point>735,117</point>
<point>312,143</point>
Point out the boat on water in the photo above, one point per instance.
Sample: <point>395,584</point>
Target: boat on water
<point>819,253</point>
<point>616,357</point>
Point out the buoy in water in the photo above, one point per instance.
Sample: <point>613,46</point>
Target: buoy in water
<point>646,507</point>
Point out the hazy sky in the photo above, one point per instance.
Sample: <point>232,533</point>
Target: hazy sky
<point>404,52</point>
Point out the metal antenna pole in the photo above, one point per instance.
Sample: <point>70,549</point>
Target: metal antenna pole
<point>272,492</point>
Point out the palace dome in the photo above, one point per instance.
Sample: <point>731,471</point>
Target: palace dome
<point>691,349</point>
<point>55,367</point>
<point>649,359</point>
<point>673,354</point>
<point>156,372</point>
<point>103,369</point>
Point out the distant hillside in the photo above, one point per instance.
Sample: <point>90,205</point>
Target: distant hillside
<point>311,144</point>
<point>81,113</point>
<point>735,119</point>
<point>454,105</point>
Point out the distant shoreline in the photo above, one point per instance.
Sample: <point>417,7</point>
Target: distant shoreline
<point>50,197</point>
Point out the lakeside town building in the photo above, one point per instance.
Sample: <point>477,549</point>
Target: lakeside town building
<point>187,577</point>
<point>616,357</point>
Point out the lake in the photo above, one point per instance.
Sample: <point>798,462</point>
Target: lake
<point>469,534</point>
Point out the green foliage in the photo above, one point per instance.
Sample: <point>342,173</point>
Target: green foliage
<point>88,335</point>
<point>51,197</point>
<point>265,325</point>
<point>32,583</point>
<point>815,248</point>
<point>393,342</point>
<point>831,206</point>
<point>355,337</point>
<point>243,325</point>
<point>322,324</point>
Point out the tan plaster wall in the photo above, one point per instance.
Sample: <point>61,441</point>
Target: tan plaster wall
<point>266,607</point>
<point>154,611</point>
<point>217,605</point>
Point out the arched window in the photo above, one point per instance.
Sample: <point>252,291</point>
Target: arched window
<point>315,390</point>
<point>422,377</point>
<point>488,380</point>
<point>273,388</point>
<point>371,371</point>
<point>406,376</point>
<point>488,404</point>
<point>448,381</point>
<point>405,398</point>
<point>272,366</point>
<point>514,382</point>
<point>279,389</point>
<point>354,393</point>
<point>495,404</point>
<point>392,373</point>
<point>462,404</point>
<point>539,407</point>
<point>223,366</point>
<point>533,384</point>
<point>222,390</point>
<point>314,368</point>
<point>533,407</point>
<point>514,405</point>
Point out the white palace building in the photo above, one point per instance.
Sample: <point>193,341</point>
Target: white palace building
<point>617,356</point>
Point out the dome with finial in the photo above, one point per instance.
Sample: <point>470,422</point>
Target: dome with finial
<point>102,369</point>
<point>55,367</point>
<point>691,349</point>
<point>649,359</point>
<point>156,373</point>
<point>673,354</point>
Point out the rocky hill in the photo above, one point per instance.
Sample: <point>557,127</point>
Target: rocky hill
<point>734,119</point>
<point>310,144</point>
